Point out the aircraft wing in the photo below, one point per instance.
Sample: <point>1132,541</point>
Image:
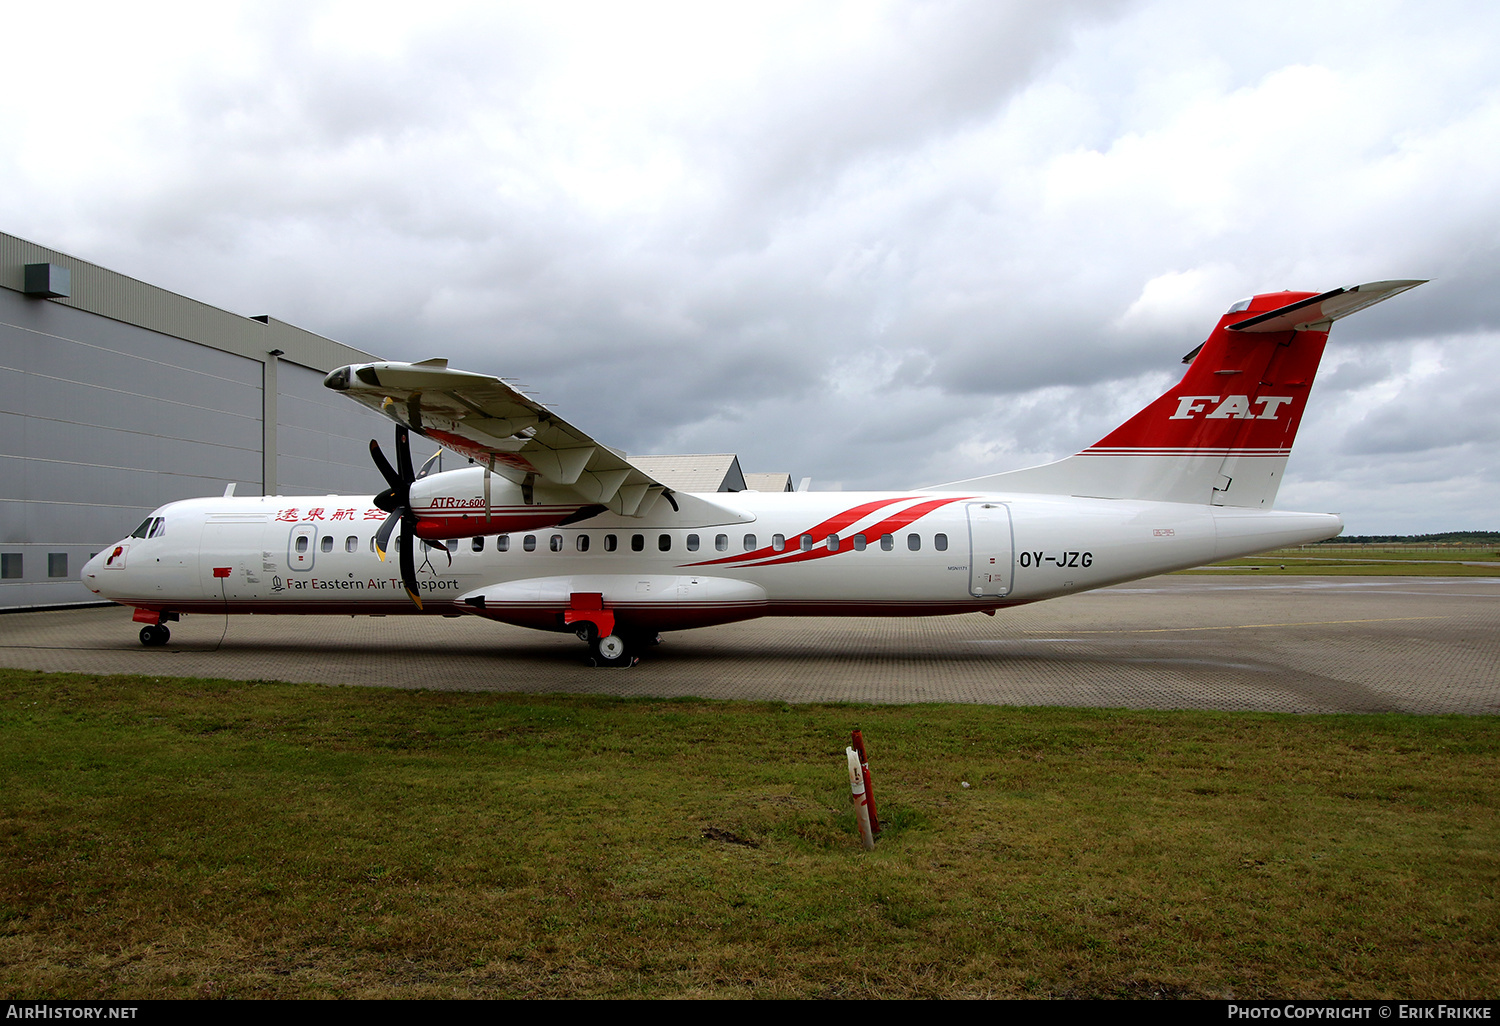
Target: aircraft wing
<point>498,427</point>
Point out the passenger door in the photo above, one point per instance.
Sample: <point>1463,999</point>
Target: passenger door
<point>990,549</point>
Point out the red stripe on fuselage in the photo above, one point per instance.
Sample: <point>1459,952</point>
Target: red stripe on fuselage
<point>767,556</point>
<point>886,526</point>
<point>832,525</point>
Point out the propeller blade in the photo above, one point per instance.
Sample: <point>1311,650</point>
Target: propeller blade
<point>408,561</point>
<point>396,501</point>
<point>403,455</point>
<point>386,470</point>
<point>383,536</point>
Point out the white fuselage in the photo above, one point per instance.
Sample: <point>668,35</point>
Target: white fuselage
<point>817,553</point>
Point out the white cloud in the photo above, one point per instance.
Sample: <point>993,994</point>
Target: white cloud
<point>871,243</point>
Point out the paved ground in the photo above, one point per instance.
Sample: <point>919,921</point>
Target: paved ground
<point>1308,644</point>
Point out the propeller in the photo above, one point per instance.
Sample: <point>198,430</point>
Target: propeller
<point>396,501</point>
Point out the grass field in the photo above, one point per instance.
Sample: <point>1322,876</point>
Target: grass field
<point>1395,560</point>
<point>194,838</point>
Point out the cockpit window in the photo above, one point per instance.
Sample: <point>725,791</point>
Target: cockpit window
<point>151,527</point>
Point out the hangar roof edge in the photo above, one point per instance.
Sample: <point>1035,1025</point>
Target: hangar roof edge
<point>107,293</point>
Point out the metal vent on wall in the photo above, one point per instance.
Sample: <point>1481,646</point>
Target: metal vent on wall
<point>48,280</point>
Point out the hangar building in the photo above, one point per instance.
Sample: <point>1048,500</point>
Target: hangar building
<point>117,396</point>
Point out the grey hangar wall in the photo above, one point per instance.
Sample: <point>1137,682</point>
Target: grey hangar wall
<point>117,396</point>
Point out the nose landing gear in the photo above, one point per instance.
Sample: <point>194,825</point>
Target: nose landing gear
<point>155,633</point>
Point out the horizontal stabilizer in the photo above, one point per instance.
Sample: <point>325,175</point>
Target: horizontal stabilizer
<point>1317,313</point>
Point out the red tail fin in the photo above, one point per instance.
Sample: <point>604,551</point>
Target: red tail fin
<point>1223,433</point>
<point>1243,395</point>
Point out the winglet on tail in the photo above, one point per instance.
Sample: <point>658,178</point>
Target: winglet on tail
<point>1223,433</point>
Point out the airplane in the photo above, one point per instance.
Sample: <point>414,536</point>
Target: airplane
<point>550,529</point>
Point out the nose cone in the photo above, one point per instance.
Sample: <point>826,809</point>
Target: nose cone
<point>89,575</point>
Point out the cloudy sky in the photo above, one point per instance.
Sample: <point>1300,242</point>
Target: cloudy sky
<point>878,244</point>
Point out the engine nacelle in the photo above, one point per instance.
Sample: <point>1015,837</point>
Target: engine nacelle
<point>453,505</point>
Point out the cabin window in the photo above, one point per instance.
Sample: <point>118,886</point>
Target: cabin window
<point>721,542</point>
<point>637,543</point>
<point>805,542</point>
<point>583,543</point>
<point>859,543</point>
<point>778,542</point>
<point>833,543</point>
<point>327,543</point>
<point>914,542</point>
<point>692,543</point>
<point>372,543</point>
<point>452,545</point>
<point>529,543</point>
<point>611,543</point>
<point>477,543</point>
<point>302,544</point>
<point>940,542</point>
<point>351,544</point>
<point>57,564</point>
<point>749,543</point>
<point>10,562</point>
<point>502,543</point>
<point>887,543</point>
<point>555,543</point>
<point>664,542</point>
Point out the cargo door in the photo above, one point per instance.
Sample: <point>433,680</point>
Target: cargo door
<point>230,559</point>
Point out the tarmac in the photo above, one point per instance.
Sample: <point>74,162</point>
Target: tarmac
<point>1227,642</point>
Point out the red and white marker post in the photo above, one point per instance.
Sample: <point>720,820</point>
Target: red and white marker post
<point>860,792</point>
<point>858,739</point>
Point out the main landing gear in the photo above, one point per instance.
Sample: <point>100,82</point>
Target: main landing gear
<point>617,650</point>
<point>610,650</point>
<point>155,634</point>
